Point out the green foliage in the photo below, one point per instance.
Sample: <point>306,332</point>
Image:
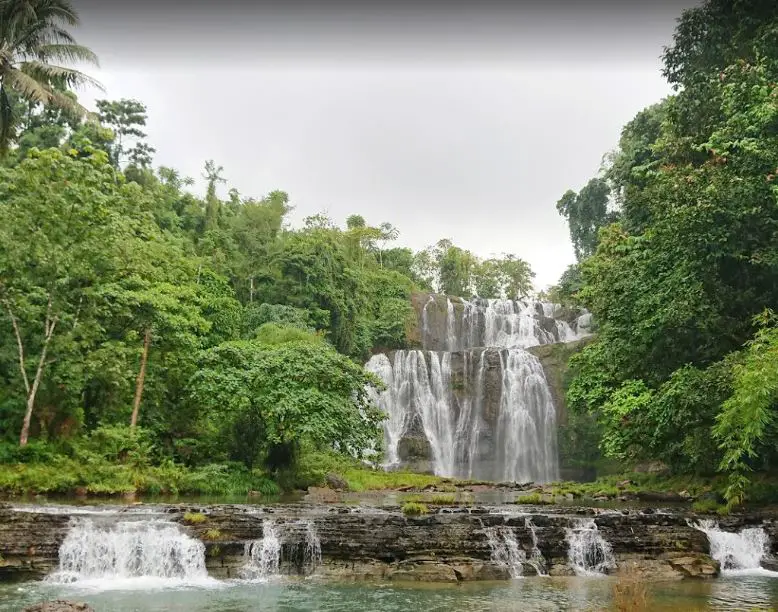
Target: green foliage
<point>534,499</point>
<point>212,534</point>
<point>679,275</point>
<point>194,518</point>
<point>747,422</point>
<point>586,212</point>
<point>260,402</point>
<point>414,509</point>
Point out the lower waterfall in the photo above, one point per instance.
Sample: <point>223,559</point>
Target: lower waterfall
<point>485,414</point>
<point>155,549</point>
<point>736,551</point>
<point>296,543</point>
<point>506,551</point>
<point>262,557</point>
<point>588,552</point>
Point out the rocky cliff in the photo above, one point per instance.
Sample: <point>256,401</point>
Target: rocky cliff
<point>449,544</point>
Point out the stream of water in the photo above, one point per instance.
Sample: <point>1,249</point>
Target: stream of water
<point>527,594</point>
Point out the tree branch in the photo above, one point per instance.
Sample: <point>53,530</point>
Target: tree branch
<point>20,346</point>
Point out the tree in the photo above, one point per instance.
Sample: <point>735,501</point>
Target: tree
<point>586,212</point>
<point>63,217</point>
<point>264,399</point>
<point>33,35</point>
<point>125,118</point>
<point>212,203</point>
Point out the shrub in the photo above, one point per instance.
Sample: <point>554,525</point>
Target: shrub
<point>443,499</point>
<point>414,509</point>
<point>212,534</point>
<point>194,518</point>
<point>533,498</point>
<point>705,505</point>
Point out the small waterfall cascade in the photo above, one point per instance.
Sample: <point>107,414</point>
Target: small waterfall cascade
<point>735,551</point>
<point>588,552</point>
<point>499,323</point>
<point>129,549</point>
<point>262,557</point>
<point>535,558</point>
<point>296,543</point>
<point>506,551</point>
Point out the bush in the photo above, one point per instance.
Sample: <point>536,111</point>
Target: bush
<point>533,498</point>
<point>194,518</point>
<point>414,509</point>
<point>706,505</point>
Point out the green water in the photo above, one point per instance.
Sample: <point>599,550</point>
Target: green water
<point>732,592</point>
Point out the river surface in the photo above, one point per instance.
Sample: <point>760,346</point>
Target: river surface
<point>735,591</point>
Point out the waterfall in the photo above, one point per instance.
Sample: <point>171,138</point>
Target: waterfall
<point>148,549</point>
<point>392,402</point>
<point>735,551</point>
<point>535,559</point>
<point>482,405</point>
<point>451,330</point>
<point>519,444</point>
<point>588,552</point>
<point>526,426</point>
<point>262,557</point>
<point>506,551</point>
<point>296,543</point>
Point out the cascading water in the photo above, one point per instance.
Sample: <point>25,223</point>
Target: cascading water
<point>526,426</point>
<point>506,551</point>
<point>262,557</point>
<point>296,543</point>
<point>588,552</point>
<point>480,407</point>
<point>735,551</point>
<point>535,558</point>
<point>155,549</point>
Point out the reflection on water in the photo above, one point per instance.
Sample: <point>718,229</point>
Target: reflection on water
<point>730,592</point>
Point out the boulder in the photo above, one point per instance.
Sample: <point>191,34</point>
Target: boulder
<point>769,562</point>
<point>59,605</point>
<point>652,467</point>
<point>660,496</point>
<point>696,566</point>
<point>336,482</point>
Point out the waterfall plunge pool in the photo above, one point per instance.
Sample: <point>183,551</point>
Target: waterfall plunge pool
<point>529,594</point>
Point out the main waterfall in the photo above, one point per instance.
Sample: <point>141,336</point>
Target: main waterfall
<point>472,402</point>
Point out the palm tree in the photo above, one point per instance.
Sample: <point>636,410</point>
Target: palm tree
<point>33,34</point>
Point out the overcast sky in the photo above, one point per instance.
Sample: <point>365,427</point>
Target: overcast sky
<point>458,123</point>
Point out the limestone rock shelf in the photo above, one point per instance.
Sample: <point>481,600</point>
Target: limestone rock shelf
<point>449,544</point>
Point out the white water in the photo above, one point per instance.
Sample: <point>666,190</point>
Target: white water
<point>262,557</point>
<point>506,550</point>
<point>589,554</point>
<point>740,552</point>
<point>523,444</point>
<point>296,542</point>
<point>128,554</point>
<point>506,324</point>
<point>526,445</point>
<point>535,558</point>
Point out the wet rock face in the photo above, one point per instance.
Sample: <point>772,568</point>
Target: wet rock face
<point>60,605</point>
<point>449,544</point>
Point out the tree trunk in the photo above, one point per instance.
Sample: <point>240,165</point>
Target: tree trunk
<point>32,390</point>
<point>251,291</point>
<point>141,378</point>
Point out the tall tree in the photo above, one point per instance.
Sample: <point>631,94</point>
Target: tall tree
<point>34,40</point>
<point>213,174</point>
<point>125,118</point>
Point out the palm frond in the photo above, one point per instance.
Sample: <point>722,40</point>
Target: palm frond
<point>48,72</point>
<point>67,52</point>
<point>27,86</point>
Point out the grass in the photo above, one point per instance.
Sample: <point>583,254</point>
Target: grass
<point>443,499</point>
<point>212,534</point>
<point>194,518</point>
<point>414,509</point>
<point>64,475</point>
<point>534,499</point>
